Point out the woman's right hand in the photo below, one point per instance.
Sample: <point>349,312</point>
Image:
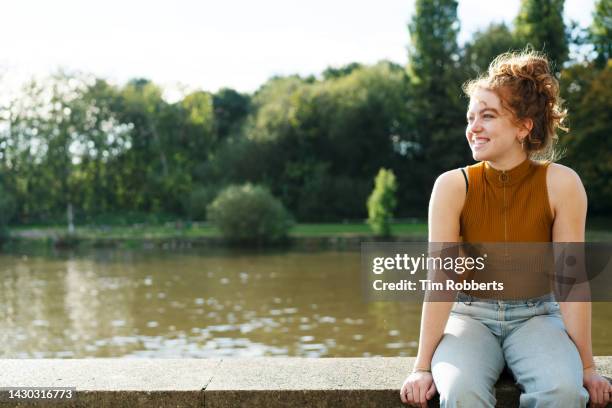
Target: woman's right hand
<point>418,388</point>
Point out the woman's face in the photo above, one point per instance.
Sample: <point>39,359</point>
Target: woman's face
<point>490,131</point>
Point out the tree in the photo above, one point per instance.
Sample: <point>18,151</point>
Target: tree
<point>7,210</point>
<point>435,99</point>
<point>485,45</point>
<point>382,202</point>
<point>331,72</point>
<point>540,23</point>
<point>588,144</point>
<point>230,109</point>
<point>316,144</point>
<point>600,33</point>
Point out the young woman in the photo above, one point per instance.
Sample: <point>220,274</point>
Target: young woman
<point>512,118</point>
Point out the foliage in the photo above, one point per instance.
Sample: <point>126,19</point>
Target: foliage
<point>540,23</point>
<point>123,154</point>
<point>600,33</point>
<point>199,199</point>
<point>435,102</point>
<point>249,214</point>
<point>382,203</point>
<point>588,144</point>
<point>485,45</point>
<point>7,210</point>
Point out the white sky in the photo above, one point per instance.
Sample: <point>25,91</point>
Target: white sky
<point>210,44</point>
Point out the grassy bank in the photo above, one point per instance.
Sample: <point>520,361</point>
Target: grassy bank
<point>599,231</point>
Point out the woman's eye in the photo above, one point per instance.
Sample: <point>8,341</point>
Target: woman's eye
<point>488,116</point>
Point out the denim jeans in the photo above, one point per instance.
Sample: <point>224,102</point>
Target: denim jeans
<point>483,335</point>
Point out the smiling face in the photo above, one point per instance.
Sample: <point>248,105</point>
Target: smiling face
<point>490,131</point>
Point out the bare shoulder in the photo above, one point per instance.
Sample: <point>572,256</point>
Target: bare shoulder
<point>449,189</point>
<point>564,187</point>
<point>445,205</point>
<point>563,179</point>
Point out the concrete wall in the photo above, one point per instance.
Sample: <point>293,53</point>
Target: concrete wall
<point>252,382</point>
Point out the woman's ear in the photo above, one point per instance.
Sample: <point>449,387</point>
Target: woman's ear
<point>526,127</point>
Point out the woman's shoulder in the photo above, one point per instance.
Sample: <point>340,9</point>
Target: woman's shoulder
<point>451,181</point>
<point>561,177</point>
<point>564,185</point>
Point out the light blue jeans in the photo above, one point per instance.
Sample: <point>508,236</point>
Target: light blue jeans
<point>482,336</point>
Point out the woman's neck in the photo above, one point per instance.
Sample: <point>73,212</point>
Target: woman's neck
<point>508,162</point>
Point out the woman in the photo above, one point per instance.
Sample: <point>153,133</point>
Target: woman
<point>512,118</point>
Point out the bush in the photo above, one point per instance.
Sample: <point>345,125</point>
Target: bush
<point>249,214</point>
<point>382,202</point>
<point>199,199</point>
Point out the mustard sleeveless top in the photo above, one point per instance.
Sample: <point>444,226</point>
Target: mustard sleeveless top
<point>507,206</point>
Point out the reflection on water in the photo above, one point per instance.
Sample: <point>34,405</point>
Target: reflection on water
<point>115,303</point>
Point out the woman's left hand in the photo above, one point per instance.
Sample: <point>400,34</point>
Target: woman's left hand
<point>599,388</point>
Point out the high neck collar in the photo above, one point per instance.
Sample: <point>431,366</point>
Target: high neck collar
<point>507,177</point>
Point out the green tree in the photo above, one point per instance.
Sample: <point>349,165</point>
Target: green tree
<point>382,203</point>
<point>600,33</point>
<point>588,143</point>
<point>230,110</point>
<point>7,210</point>
<point>331,72</point>
<point>435,99</point>
<point>316,144</point>
<point>485,45</point>
<point>540,23</point>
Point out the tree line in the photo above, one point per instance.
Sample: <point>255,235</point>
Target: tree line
<point>116,152</point>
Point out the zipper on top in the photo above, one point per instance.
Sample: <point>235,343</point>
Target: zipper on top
<point>503,177</point>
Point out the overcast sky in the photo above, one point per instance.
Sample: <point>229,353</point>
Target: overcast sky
<point>212,44</point>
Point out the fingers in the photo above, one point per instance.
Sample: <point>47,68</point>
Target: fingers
<point>599,400</point>
<point>415,394</point>
<point>599,393</point>
<point>407,393</point>
<point>431,391</point>
<point>422,400</point>
<point>403,394</point>
<point>594,398</point>
<point>417,389</point>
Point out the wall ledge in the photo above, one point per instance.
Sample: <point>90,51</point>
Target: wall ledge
<point>227,382</point>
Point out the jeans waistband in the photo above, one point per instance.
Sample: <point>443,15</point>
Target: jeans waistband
<point>463,297</point>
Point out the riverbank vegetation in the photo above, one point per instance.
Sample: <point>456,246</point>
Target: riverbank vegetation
<point>77,149</point>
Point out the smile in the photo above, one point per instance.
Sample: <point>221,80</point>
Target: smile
<point>480,142</point>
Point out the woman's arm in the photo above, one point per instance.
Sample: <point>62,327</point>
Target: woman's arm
<point>445,205</point>
<point>569,202</point>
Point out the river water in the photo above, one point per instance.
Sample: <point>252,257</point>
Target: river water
<point>196,303</point>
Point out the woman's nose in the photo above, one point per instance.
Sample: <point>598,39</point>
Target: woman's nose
<point>475,126</point>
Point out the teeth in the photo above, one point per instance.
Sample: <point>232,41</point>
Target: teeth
<point>480,141</point>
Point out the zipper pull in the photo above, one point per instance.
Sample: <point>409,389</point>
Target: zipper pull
<point>503,177</point>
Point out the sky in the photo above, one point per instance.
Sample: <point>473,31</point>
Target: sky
<point>187,44</point>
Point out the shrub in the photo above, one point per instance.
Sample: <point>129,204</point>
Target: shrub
<point>382,202</point>
<point>249,214</point>
<point>199,199</point>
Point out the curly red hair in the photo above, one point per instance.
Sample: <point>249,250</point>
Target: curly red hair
<point>526,88</point>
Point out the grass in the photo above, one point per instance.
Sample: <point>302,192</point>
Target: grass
<point>202,230</point>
